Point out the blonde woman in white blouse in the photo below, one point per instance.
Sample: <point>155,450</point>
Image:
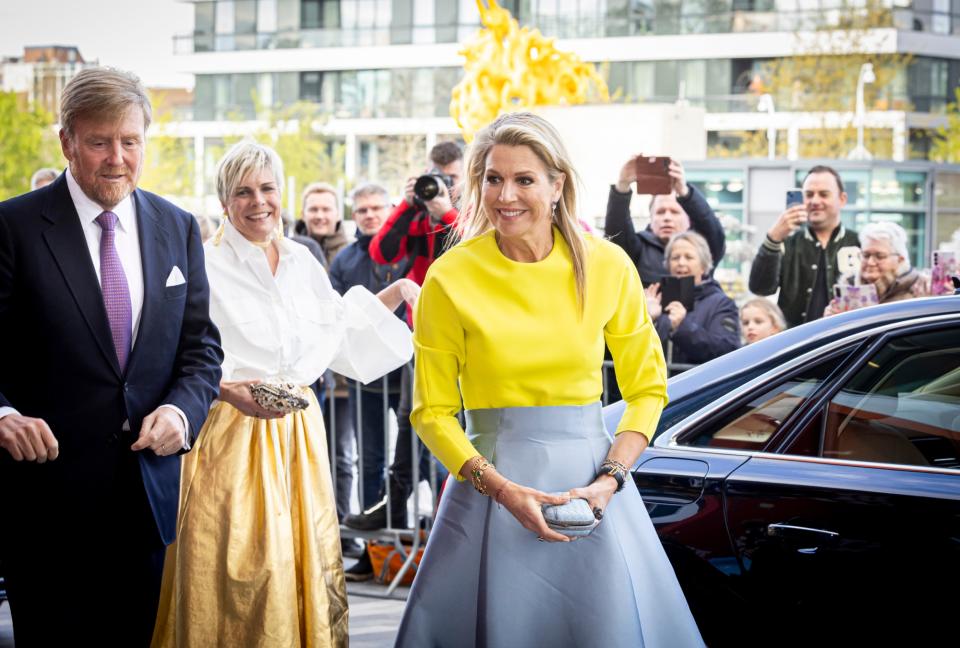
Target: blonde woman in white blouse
<point>257,559</point>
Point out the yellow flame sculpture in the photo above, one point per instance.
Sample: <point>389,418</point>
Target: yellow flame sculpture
<point>511,68</point>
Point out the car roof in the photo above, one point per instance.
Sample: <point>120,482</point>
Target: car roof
<point>806,337</point>
<point>798,340</point>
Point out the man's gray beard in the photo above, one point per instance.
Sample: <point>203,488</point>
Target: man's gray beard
<point>111,196</point>
<point>107,196</point>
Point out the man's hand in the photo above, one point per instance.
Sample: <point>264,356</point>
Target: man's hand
<point>787,223</point>
<point>408,191</point>
<point>28,438</point>
<point>678,182</point>
<point>440,205</point>
<point>628,174</point>
<point>162,431</point>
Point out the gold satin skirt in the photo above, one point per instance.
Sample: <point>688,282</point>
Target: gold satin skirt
<point>257,559</point>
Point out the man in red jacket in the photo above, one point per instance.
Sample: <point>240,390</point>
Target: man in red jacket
<point>418,231</point>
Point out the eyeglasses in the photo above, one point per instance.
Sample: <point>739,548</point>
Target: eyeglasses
<point>878,256</point>
<point>360,211</point>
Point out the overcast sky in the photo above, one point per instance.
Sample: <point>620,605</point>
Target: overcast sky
<point>135,35</point>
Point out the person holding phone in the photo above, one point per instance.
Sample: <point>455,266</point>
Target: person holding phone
<point>798,256</point>
<point>705,329</point>
<point>885,265</point>
<point>682,208</point>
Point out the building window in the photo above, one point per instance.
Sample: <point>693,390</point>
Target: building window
<point>887,194</point>
<point>311,86</point>
<point>319,14</point>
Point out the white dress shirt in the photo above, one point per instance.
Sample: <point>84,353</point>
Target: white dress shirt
<point>126,240</point>
<point>293,325</point>
<point>127,243</point>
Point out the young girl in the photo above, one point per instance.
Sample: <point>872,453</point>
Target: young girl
<point>760,318</point>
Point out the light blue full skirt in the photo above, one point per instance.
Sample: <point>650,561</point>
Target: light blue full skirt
<point>487,582</point>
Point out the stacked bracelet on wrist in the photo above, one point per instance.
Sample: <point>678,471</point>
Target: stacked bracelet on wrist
<point>476,472</point>
<point>616,470</point>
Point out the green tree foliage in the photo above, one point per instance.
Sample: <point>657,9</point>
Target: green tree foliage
<point>822,78</point>
<point>294,132</point>
<point>169,165</point>
<point>946,142</point>
<point>27,143</point>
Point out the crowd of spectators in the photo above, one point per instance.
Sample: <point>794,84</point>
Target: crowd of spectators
<point>803,260</point>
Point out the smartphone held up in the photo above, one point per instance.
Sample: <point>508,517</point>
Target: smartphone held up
<point>653,175</point>
<point>794,197</point>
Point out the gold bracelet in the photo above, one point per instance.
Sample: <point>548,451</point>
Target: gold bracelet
<point>616,464</point>
<point>479,466</point>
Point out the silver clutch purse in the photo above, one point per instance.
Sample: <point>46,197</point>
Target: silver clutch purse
<point>279,397</point>
<point>573,519</point>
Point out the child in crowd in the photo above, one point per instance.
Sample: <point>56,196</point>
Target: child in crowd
<point>760,318</point>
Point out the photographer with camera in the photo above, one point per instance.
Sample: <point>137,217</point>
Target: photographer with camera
<point>417,228</point>
<point>415,231</point>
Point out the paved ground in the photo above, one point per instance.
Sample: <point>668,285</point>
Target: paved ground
<point>373,621</point>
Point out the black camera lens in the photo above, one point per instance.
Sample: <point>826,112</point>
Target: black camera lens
<point>426,187</point>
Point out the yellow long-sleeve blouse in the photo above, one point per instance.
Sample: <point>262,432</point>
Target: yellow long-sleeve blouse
<point>508,334</point>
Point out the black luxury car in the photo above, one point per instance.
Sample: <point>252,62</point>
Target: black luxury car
<point>806,488</point>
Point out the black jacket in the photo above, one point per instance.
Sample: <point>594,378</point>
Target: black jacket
<point>711,329</point>
<point>61,365</point>
<point>353,267</point>
<point>645,249</point>
<point>791,266</point>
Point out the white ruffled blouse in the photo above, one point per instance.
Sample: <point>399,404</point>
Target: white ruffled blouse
<point>293,325</point>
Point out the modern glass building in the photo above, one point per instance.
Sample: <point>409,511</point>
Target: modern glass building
<point>386,68</point>
<point>397,58</point>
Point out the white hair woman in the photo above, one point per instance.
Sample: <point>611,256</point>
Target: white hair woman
<point>885,263</point>
<point>514,319</point>
<point>257,559</point>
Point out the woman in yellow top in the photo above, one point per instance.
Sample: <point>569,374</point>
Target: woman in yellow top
<point>514,321</point>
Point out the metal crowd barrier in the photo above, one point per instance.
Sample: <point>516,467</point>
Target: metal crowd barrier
<point>421,521</point>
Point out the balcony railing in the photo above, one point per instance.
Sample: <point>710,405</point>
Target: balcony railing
<point>570,27</point>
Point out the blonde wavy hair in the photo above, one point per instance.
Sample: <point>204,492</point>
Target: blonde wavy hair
<point>537,134</point>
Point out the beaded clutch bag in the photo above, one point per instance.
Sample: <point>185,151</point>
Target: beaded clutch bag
<point>279,397</point>
<point>573,519</point>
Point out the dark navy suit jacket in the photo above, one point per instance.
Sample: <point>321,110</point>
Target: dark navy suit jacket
<point>59,364</point>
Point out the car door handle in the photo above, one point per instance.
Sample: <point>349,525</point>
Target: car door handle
<point>780,530</point>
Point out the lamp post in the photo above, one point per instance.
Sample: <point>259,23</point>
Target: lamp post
<point>866,76</point>
<point>765,104</point>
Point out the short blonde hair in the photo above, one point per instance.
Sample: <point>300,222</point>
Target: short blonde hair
<point>772,310</point>
<point>539,135</point>
<point>699,244</point>
<point>319,187</point>
<point>243,158</point>
<point>102,93</point>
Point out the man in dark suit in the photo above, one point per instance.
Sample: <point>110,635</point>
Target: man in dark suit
<point>110,363</point>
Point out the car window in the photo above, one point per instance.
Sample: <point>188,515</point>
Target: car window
<point>751,424</point>
<point>902,406</point>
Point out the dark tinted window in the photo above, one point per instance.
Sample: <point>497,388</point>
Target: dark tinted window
<point>902,406</point>
<point>752,423</point>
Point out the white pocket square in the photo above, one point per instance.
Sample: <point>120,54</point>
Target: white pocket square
<point>175,278</point>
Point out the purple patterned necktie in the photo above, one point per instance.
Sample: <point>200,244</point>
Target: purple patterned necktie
<point>116,292</point>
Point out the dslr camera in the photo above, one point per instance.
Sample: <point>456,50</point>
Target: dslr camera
<point>427,186</point>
